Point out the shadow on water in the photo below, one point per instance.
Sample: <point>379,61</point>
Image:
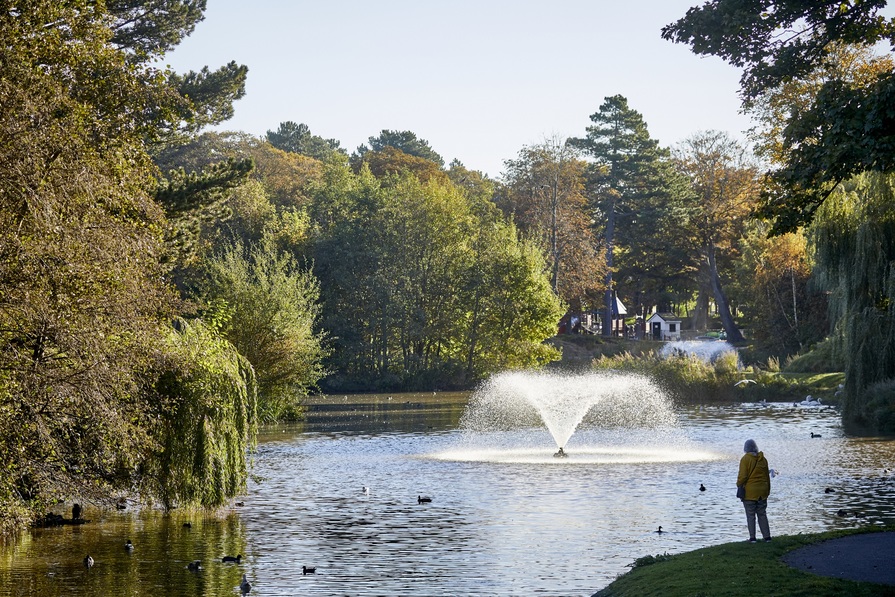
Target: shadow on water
<point>49,561</point>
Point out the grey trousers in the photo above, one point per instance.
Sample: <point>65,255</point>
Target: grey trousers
<point>757,508</point>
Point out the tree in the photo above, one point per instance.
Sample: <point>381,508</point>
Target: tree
<point>854,236</point>
<point>390,160</point>
<point>544,193</point>
<point>270,312</point>
<point>724,183</point>
<point>414,274</point>
<point>779,303</point>
<point>297,138</point>
<point>84,304</point>
<point>847,129</point>
<point>404,141</point>
<point>627,174</point>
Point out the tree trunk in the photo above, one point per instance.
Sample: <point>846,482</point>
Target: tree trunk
<point>733,332</point>
<point>608,297</point>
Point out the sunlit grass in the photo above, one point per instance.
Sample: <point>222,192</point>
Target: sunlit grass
<point>736,569</point>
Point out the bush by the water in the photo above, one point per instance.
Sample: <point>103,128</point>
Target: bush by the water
<point>880,409</point>
<point>686,377</point>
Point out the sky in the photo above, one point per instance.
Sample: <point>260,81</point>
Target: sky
<point>478,79</point>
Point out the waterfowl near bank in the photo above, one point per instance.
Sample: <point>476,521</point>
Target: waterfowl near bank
<point>236,559</point>
<point>244,585</point>
<point>308,570</point>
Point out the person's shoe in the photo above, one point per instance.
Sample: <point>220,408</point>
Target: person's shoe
<point>752,540</point>
<point>766,539</point>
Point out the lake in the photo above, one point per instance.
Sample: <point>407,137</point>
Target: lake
<point>506,518</point>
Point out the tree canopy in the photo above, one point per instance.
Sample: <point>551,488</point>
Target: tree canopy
<point>848,127</point>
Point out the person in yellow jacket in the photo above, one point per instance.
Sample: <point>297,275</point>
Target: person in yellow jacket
<point>755,477</point>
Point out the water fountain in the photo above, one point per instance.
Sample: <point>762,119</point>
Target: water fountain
<point>708,351</point>
<point>614,416</point>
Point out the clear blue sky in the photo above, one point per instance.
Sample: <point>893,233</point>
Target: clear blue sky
<point>477,79</point>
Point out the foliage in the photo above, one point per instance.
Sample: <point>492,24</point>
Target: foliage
<point>272,312</point>
<point>84,302</point>
<point>403,141</point>
<point>544,193</point>
<point>855,251</point>
<point>780,305</point>
<point>823,357</point>
<point>846,129</point>
<point>686,377</point>
<point>423,286</point>
<point>81,289</point>
<point>880,406</point>
<point>389,160</point>
<point>297,138</point>
<point>153,28</point>
<point>208,422</point>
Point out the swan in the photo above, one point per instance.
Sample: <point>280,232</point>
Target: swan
<point>744,381</point>
<point>810,401</point>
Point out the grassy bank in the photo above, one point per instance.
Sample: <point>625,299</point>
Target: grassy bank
<point>737,569</point>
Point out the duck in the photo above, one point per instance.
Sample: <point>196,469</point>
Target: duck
<point>423,500</point>
<point>659,530</point>
<point>187,525</point>
<point>195,565</point>
<point>236,559</point>
<point>366,490</point>
<point>829,490</point>
<point>239,504</point>
<point>815,434</point>
<point>701,487</point>
<point>88,561</point>
<point>307,570</point>
<point>129,546</point>
<point>244,585</point>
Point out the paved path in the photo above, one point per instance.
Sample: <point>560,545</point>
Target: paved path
<point>867,557</point>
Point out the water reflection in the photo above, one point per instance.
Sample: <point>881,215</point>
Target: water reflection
<point>534,525</point>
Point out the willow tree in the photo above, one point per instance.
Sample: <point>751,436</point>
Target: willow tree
<point>206,398</point>
<point>854,239</point>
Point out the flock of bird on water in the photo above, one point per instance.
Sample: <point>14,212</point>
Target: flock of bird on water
<point>196,565</point>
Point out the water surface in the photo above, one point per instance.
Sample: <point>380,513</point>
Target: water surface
<point>513,521</point>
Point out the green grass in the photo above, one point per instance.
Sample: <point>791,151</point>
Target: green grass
<point>738,569</point>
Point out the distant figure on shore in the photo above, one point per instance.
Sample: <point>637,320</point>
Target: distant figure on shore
<point>76,512</point>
